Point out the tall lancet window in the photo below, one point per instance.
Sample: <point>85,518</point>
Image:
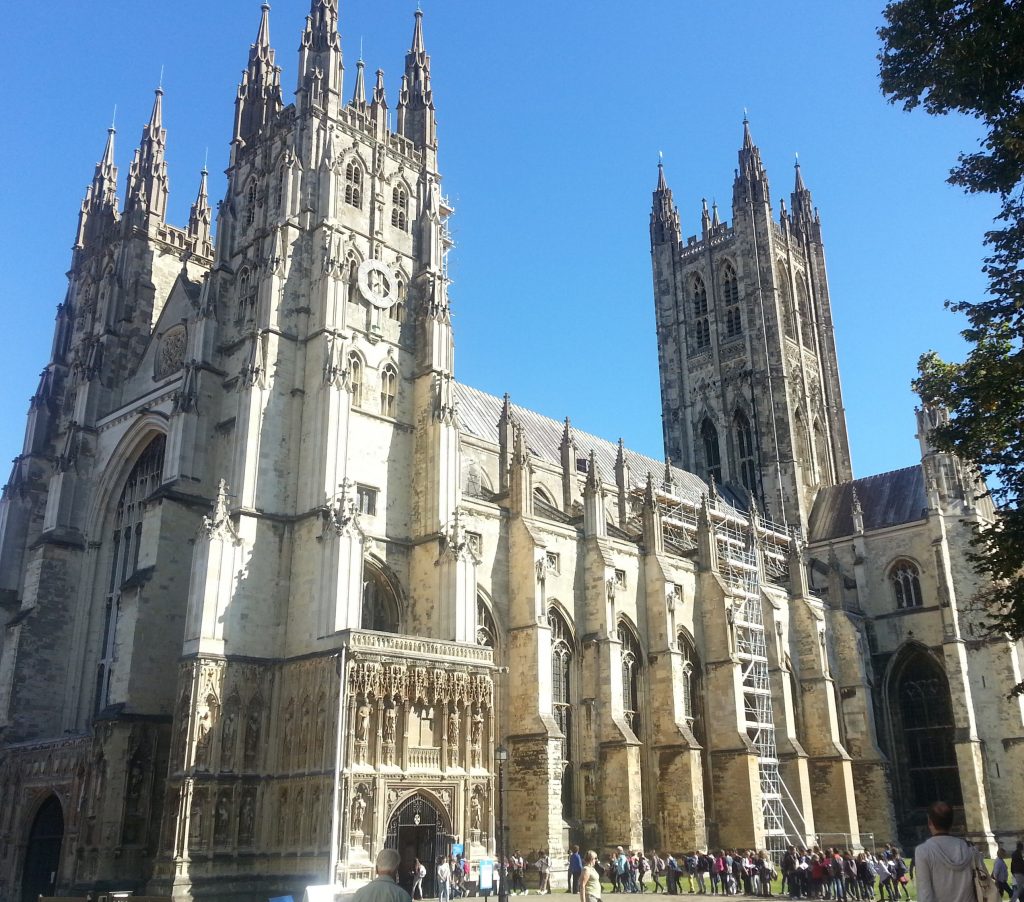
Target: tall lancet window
<point>631,663</point>
<point>388,390</point>
<point>124,539</point>
<point>806,314</point>
<point>692,684</point>
<point>561,678</point>
<point>380,603</point>
<point>353,185</point>
<point>731,297</point>
<point>399,208</point>
<point>355,378</point>
<point>745,452</point>
<point>712,450</point>
<point>701,321</point>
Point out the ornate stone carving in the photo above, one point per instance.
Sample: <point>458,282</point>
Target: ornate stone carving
<point>219,525</point>
<point>170,355</point>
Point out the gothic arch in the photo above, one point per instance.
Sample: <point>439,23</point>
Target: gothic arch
<point>693,687</point>
<point>388,605</point>
<point>489,631</point>
<point>44,838</point>
<point>922,730</point>
<point>119,465</point>
<point>632,666</point>
<point>544,495</point>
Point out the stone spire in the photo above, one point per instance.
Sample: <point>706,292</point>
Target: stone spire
<point>664,215</point>
<point>320,60</point>
<point>416,103</point>
<point>803,206</point>
<point>100,204</point>
<point>147,178</point>
<point>359,93</point>
<point>200,218</point>
<point>259,93</point>
<point>751,178</point>
<point>705,217</point>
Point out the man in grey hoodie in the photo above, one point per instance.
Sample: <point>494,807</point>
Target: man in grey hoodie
<point>944,863</point>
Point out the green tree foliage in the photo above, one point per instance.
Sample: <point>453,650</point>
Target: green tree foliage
<point>968,57</point>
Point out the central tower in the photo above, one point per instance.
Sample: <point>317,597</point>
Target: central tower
<point>750,387</point>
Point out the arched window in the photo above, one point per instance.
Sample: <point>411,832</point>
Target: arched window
<point>802,449</point>
<point>397,310</point>
<point>925,714</point>
<point>353,282</point>
<point>124,539</point>
<point>806,317</point>
<point>388,390</point>
<point>701,322</point>
<point>380,604</point>
<point>786,302</point>
<point>486,632</point>
<point>246,295</point>
<point>399,207</point>
<point>250,203</point>
<point>692,685</point>
<point>561,678</point>
<point>631,662</point>
<point>731,297</point>
<point>355,378</point>
<point>712,450</point>
<point>745,451</point>
<point>906,584</point>
<point>821,455</point>
<point>282,179</point>
<point>353,185</point>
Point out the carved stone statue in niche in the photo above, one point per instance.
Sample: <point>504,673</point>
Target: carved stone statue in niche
<point>390,718</point>
<point>358,812</point>
<point>246,820</point>
<point>228,733</point>
<point>453,736</point>
<point>476,735</point>
<point>476,811</point>
<point>195,824</point>
<point>362,722</point>
<point>203,740</point>
<point>252,738</point>
<point>221,820</point>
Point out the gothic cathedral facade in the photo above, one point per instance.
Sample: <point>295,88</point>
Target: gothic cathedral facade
<point>281,592</point>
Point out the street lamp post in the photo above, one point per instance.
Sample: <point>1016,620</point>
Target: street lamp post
<point>501,757</point>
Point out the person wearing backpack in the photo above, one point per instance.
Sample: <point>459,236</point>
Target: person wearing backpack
<point>657,870</point>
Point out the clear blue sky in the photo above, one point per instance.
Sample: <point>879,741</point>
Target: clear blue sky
<point>551,117</point>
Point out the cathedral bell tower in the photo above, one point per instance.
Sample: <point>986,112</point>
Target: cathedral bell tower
<point>749,378</point>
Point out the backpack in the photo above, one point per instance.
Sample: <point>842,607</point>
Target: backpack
<point>836,867</point>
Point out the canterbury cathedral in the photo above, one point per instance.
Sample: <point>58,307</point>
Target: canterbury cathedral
<point>279,591</point>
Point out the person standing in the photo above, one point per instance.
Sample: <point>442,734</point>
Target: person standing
<point>575,869</point>
<point>384,887</point>
<point>544,866</point>
<point>1017,869</point>
<point>418,873</point>
<point>944,864</point>
<point>589,879</point>
<point>444,879</point>
<point>1000,874</point>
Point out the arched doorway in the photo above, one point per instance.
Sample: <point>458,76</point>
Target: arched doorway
<point>417,829</point>
<point>42,855</point>
<point>924,735</point>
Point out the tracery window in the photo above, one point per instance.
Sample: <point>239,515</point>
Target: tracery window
<point>692,684</point>
<point>353,185</point>
<point>125,538</point>
<point>630,662</point>
<point>486,632</point>
<point>906,584</point>
<point>786,302</point>
<point>246,295</point>
<point>731,296</point>
<point>712,450</point>
<point>388,390</point>
<point>380,604</point>
<point>745,451</point>
<point>355,378</point>
<point>250,203</point>
<point>803,451</point>
<point>928,732</point>
<point>701,321</point>
<point>399,208</point>
<point>561,678</point>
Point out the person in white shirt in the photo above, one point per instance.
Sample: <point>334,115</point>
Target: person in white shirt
<point>944,864</point>
<point>444,880</point>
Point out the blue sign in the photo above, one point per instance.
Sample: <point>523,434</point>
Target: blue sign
<point>281,899</point>
<point>458,848</point>
<point>485,883</point>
